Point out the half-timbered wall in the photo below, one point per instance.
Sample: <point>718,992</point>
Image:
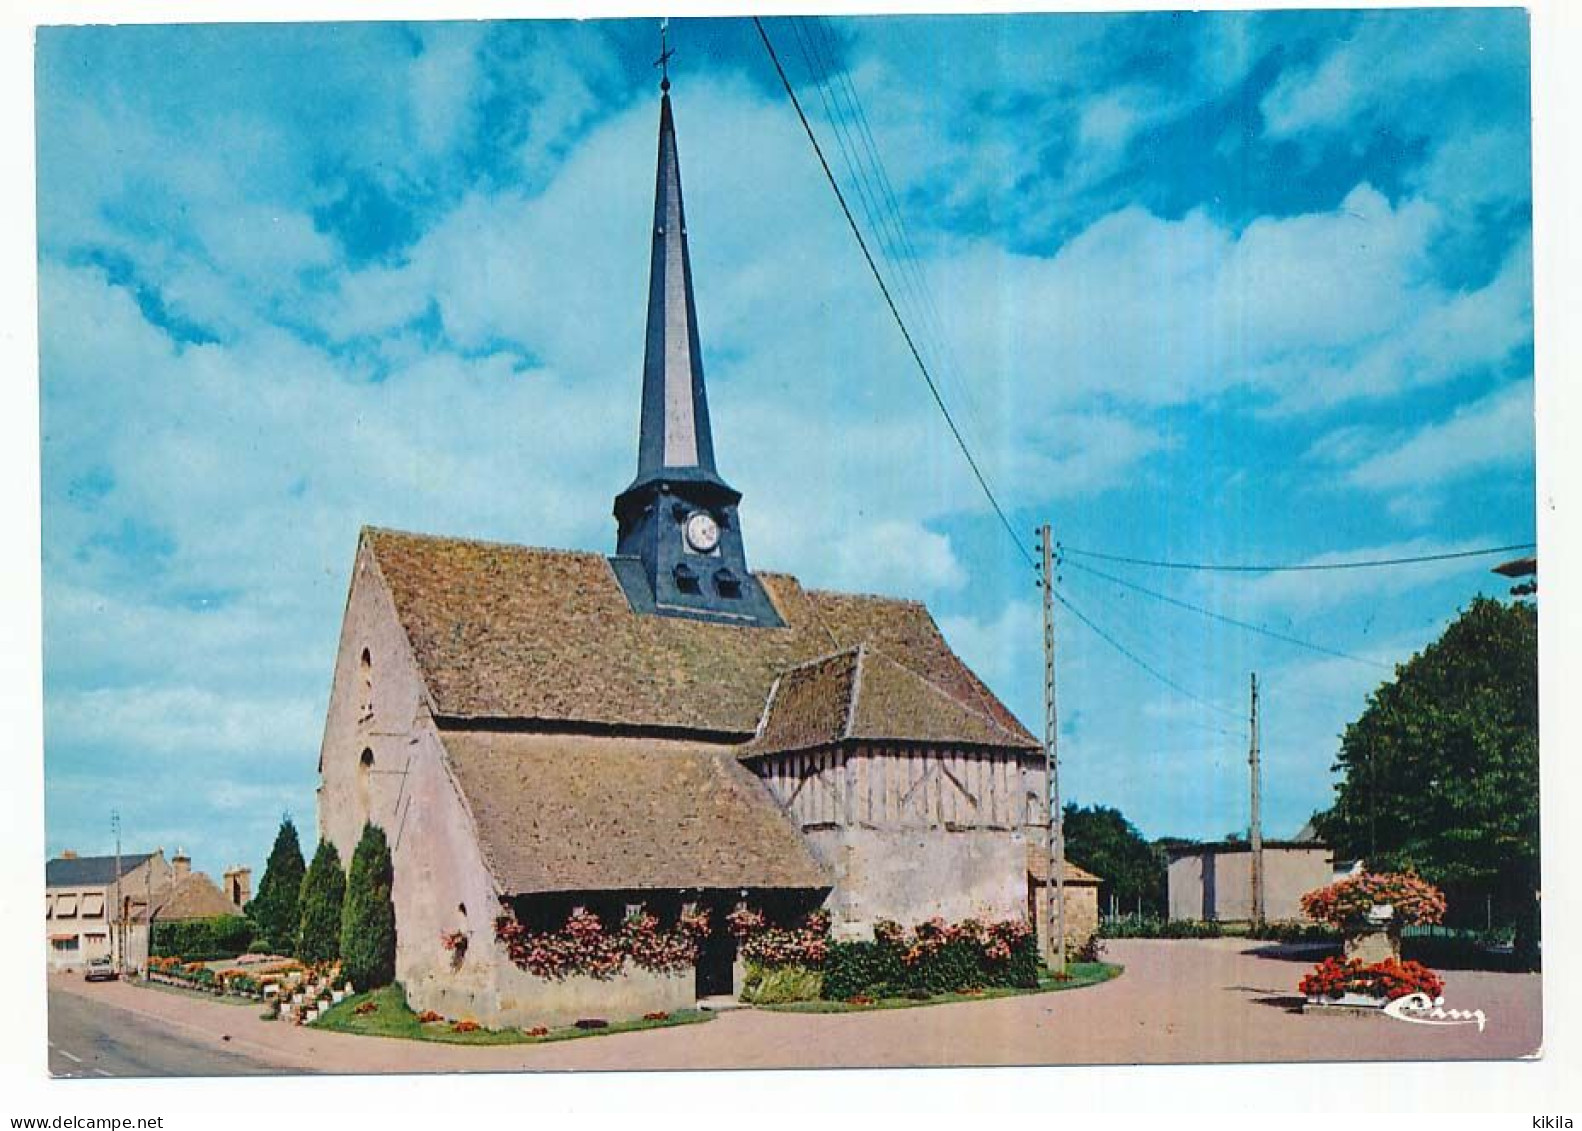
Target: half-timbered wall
<point>911,832</point>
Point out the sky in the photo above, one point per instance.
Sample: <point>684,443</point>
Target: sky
<point>1225,287</point>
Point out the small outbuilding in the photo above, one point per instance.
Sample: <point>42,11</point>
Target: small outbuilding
<point>1214,881</point>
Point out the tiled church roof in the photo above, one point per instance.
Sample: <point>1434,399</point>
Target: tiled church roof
<point>860,693</point>
<point>559,813</point>
<point>514,632</point>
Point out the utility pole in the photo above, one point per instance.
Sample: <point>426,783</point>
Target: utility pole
<point>1255,832</point>
<point>118,936</point>
<point>1055,834</point>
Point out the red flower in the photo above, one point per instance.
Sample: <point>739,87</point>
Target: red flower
<point>1389,979</point>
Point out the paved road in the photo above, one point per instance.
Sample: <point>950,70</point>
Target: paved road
<point>89,1037</point>
<point>1186,1001</point>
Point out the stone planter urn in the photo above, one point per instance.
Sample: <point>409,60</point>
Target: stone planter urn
<point>1378,938</point>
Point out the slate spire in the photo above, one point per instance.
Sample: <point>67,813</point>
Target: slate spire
<point>675,433</point>
<point>678,542</point>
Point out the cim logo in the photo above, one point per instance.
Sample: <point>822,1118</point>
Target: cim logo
<point>1420,1009</point>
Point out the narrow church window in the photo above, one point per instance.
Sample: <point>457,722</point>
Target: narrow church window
<point>728,584</point>
<point>366,669</point>
<point>368,758</point>
<point>687,578</point>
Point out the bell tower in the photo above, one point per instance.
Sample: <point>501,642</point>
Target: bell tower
<point>679,545</point>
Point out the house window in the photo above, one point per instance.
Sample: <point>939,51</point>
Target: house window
<point>66,907</point>
<point>93,907</point>
<point>64,942</point>
<point>49,906</point>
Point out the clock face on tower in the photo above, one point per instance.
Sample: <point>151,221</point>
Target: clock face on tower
<point>702,532</point>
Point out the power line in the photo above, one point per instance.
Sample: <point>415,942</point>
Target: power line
<point>869,201</point>
<point>1140,662</point>
<point>878,276</point>
<point>1309,567</point>
<point>903,255</point>
<point>1212,615</point>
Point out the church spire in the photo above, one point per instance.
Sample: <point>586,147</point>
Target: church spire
<point>678,549</point>
<point>675,432</point>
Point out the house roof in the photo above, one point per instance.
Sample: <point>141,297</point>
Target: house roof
<point>1176,850</point>
<point>557,813</point>
<point>520,633</point>
<point>88,871</point>
<point>194,896</point>
<point>1038,867</point>
<point>860,693</point>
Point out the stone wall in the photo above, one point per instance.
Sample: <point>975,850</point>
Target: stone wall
<point>1082,914</point>
<point>911,875</point>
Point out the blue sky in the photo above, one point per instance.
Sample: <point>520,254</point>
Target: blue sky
<point>1237,287</point>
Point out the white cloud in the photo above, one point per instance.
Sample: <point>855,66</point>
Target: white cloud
<point>164,719</point>
<point>1490,432</point>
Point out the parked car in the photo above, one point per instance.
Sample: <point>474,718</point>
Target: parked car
<point>100,970</point>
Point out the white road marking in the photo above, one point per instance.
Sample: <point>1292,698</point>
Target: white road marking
<point>68,1056</point>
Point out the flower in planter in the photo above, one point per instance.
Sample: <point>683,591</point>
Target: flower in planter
<point>537,1031</point>
<point>364,1008</point>
<point>428,1017</point>
<point>1350,902</point>
<point>859,999</point>
<point>657,1015</point>
<point>1387,980</point>
<point>455,941</point>
<point>465,1027</point>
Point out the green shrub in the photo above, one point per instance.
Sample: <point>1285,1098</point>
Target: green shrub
<point>1153,927</point>
<point>1294,932</point>
<point>877,969</point>
<point>776,985</point>
<point>859,967</point>
<point>368,927</point>
<point>319,905</point>
<point>274,910</point>
<point>203,940</point>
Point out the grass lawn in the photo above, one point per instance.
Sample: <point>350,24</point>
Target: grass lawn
<point>1082,974</point>
<point>393,1018</point>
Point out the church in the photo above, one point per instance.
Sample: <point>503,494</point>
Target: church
<point>553,737</point>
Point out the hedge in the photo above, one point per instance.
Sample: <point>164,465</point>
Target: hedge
<point>878,969</point>
<point>203,940</point>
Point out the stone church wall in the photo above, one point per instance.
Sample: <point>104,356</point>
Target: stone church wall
<point>382,761</point>
<point>442,883</point>
<point>910,875</point>
<point>911,832</point>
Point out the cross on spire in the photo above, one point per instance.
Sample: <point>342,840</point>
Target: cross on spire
<point>666,53</point>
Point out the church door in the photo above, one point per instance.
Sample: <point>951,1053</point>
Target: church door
<point>716,965</point>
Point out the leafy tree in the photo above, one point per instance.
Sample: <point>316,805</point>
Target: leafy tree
<point>273,910</point>
<point>1441,770</point>
<point>323,893</point>
<point>1103,841</point>
<point>368,927</point>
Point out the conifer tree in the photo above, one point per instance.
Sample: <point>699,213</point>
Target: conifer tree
<point>274,910</point>
<point>319,906</point>
<point>368,927</point>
